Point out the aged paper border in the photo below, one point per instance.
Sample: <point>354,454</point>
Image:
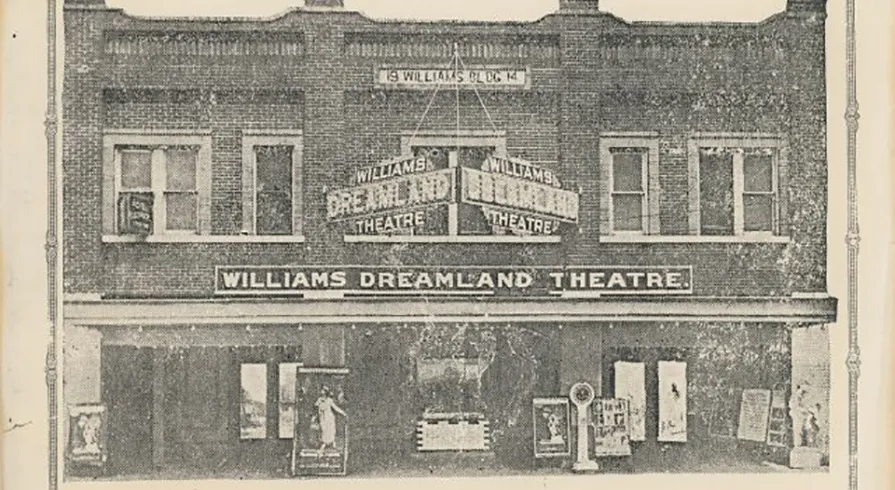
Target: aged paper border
<point>53,242</point>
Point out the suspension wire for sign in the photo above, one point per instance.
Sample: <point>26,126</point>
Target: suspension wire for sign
<point>456,62</point>
<point>478,95</point>
<point>456,65</point>
<point>426,111</point>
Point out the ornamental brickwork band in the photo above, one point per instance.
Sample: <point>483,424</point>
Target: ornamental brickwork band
<point>323,245</point>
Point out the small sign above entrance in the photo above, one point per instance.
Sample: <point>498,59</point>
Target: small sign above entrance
<point>479,78</point>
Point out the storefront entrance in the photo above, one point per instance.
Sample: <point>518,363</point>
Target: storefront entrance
<point>177,410</point>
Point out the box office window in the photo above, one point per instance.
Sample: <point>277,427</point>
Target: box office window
<point>272,184</point>
<point>735,187</point>
<point>156,185</point>
<point>629,175</point>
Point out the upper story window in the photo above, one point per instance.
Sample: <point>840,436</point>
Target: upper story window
<point>271,192</point>
<point>156,185</point>
<point>734,186</point>
<point>630,180</point>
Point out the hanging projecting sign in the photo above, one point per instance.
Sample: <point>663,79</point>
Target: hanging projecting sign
<point>410,195</point>
<point>427,78</point>
<point>577,281</point>
<point>517,194</point>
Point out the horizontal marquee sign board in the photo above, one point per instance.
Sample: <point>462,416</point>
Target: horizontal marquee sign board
<point>371,281</point>
<point>424,78</point>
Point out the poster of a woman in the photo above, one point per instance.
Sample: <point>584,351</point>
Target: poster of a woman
<point>326,417</point>
<point>321,426</point>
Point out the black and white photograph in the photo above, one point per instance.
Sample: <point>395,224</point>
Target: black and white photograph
<point>317,241</point>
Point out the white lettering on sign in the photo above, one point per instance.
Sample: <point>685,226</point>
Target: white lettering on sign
<point>516,167</point>
<point>519,223</point>
<point>390,169</point>
<point>622,280</point>
<point>390,223</point>
<point>399,193</point>
<point>428,77</point>
<point>504,191</point>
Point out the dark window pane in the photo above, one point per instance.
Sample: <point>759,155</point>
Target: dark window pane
<point>473,156</point>
<point>758,173</point>
<point>437,155</point>
<point>273,180</point>
<point>627,171</point>
<point>180,211</point>
<point>136,169</point>
<point>180,165</point>
<point>716,194</point>
<point>627,212</point>
<point>758,213</point>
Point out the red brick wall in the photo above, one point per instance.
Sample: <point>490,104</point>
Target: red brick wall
<point>755,78</point>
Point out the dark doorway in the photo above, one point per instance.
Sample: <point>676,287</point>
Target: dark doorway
<point>127,391</point>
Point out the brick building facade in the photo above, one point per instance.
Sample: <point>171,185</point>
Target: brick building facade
<point>208,162</point>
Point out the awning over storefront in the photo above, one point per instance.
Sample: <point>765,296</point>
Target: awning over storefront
<point>279,311</point>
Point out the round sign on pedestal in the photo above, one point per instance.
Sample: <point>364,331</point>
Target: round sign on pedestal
<point>582,395</point>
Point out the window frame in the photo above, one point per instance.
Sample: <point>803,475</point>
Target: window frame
<point>743,142</point>
<point>649,176</point>
<point>115,142</point>
<point>251,139</point>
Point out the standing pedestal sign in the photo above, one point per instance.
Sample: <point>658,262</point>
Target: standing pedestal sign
<point>582,395</point>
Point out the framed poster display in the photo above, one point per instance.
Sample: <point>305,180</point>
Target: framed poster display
<point>672,401</point>
<point>630,384</point>
<point>320,444</point>
<point>87,435</point>
<point>552,427</point>
<point>611,427</point>
<point>755,408</point>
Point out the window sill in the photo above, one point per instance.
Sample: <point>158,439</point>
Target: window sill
<point>204,239</point>
<point>694,239</point>
<point>452,239</point>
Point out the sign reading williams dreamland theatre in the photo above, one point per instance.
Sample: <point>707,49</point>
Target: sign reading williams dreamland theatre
<point>424,78</point>
<point>402,195</point>
<point>453,281</point>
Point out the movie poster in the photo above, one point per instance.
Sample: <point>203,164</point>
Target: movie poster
<point>672,401</point>
<point>611,427</point>
<point>87,435</point>
<point>551,427</point>
<point>630,384</point>
<point>320,445</point>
